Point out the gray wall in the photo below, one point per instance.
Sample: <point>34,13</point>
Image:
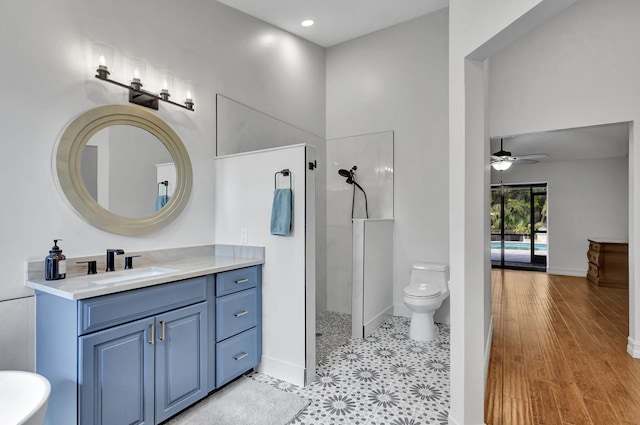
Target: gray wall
<point>578,69</point>
<point>47,58</point>
<point>585,199</point>
<point>396,79</point>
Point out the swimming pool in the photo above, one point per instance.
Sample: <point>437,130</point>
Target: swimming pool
<point>519,246</point>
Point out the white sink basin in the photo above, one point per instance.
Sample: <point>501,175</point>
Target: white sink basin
<point>23,397</point>
<point>134,274</point>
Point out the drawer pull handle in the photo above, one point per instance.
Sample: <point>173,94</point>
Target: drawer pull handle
<point>241,356</point>
<point>242,313</point>
<point>241,281</point>
<point>153,332</point>
<point>162,332</point>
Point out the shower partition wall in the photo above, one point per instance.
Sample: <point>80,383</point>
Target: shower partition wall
<point>372,275</point>
<point>373,156</point>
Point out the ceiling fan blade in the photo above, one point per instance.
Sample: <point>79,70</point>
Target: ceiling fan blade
<point>502,158</point>
<point>533,156</point>
<point>525,161</point>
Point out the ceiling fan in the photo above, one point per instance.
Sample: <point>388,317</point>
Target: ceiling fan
<point>502,159</point>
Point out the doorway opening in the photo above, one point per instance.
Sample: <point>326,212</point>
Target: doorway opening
<point>519,226</point>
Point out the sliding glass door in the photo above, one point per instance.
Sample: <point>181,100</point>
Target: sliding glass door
<point>519,226</point>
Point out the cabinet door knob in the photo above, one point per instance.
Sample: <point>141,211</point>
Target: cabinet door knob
<point>242,281</point>
<point>162,331</point>
<point>242,313</point>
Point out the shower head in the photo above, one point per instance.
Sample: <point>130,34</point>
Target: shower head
<point>344,173</point>
<point>347,174</point>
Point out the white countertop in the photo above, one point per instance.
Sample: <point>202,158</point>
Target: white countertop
<point>87,286</point>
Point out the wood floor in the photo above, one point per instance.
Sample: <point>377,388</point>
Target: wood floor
<point>558,354</point>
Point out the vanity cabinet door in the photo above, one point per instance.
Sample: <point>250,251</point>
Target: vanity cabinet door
<point>116,375</point>
<point>181,359</point>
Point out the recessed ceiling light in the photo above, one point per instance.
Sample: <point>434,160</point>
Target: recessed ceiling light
<point>307,23</point>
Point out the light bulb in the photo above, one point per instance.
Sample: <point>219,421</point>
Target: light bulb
<point>501,165</point>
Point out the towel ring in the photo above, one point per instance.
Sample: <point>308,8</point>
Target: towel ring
<point>164,183</point>
<point>285,173</point>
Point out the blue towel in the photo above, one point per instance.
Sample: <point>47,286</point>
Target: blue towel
<point>281,212</point>
<point>161,201</point>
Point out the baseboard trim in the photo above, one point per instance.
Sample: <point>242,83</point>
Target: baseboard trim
<point>633,348</point>
<point>454,422</point>
<point>567,272</point>
<point>375,323</point>
<point>282,370</point>
<point>487,350</point>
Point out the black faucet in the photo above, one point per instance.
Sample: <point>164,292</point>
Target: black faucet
<point>111,258</point>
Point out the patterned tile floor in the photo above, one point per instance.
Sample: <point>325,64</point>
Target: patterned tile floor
<point>385,379</point>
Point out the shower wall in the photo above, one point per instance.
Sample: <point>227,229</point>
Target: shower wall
<point>373,155</point>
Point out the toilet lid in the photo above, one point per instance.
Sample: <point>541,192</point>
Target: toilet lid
<point>424,290</point>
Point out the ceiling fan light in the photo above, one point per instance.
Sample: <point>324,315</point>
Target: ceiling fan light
<point>501,165</point>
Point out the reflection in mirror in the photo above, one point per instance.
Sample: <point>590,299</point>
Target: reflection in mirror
<point>240,128</point>
<point>137,151</point>
<point>122,167</point>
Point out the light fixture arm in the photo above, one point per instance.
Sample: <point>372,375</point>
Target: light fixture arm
<point>139,96</point>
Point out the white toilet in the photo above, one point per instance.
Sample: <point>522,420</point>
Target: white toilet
<point>428,287</point>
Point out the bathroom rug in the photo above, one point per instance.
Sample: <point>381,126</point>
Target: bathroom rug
<point>243,402</point>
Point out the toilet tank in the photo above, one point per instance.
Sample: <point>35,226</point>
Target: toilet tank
<point>429,273</point>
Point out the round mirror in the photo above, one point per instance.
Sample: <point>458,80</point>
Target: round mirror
<point>123,169</point>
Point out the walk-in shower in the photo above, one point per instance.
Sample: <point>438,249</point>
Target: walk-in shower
<point>359,273</point>
<point>351,179</point>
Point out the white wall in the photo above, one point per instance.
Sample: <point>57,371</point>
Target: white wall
<point>46,63</point>
<point>244,195</point>
<point>396,79</point>
<point>373,155</point>
<point>478,29</point>
<point>241,128</point>
<point>507,23</point>
<point>585,199</point>
<point>578,69</point>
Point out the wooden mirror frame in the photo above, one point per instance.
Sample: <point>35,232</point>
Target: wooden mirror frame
<point>68,156</point>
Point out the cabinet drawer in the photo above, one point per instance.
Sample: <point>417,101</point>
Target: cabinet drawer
<point>236,280</point>
<point>235,356</point>
<point>235,313</point>
<point>110,310</point>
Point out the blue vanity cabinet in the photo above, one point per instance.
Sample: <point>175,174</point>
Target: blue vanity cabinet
<point>135,357</point>
<point>238,322</point>
<point>141,356</point>
<point>117,375</point>
<point>181,360</point>
<point>146,371</point>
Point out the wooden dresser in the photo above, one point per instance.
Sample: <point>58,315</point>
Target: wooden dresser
<point>608,263</point>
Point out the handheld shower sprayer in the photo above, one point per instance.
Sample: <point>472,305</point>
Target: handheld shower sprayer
<point>350,175</point>
<point>344,173</point>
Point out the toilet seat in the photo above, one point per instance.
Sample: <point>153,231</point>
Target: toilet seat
<point>422,290</point>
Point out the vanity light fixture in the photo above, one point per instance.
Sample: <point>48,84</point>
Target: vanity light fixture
<point>137,94</point>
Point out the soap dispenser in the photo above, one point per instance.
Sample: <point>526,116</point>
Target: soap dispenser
<point>55,265</point>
